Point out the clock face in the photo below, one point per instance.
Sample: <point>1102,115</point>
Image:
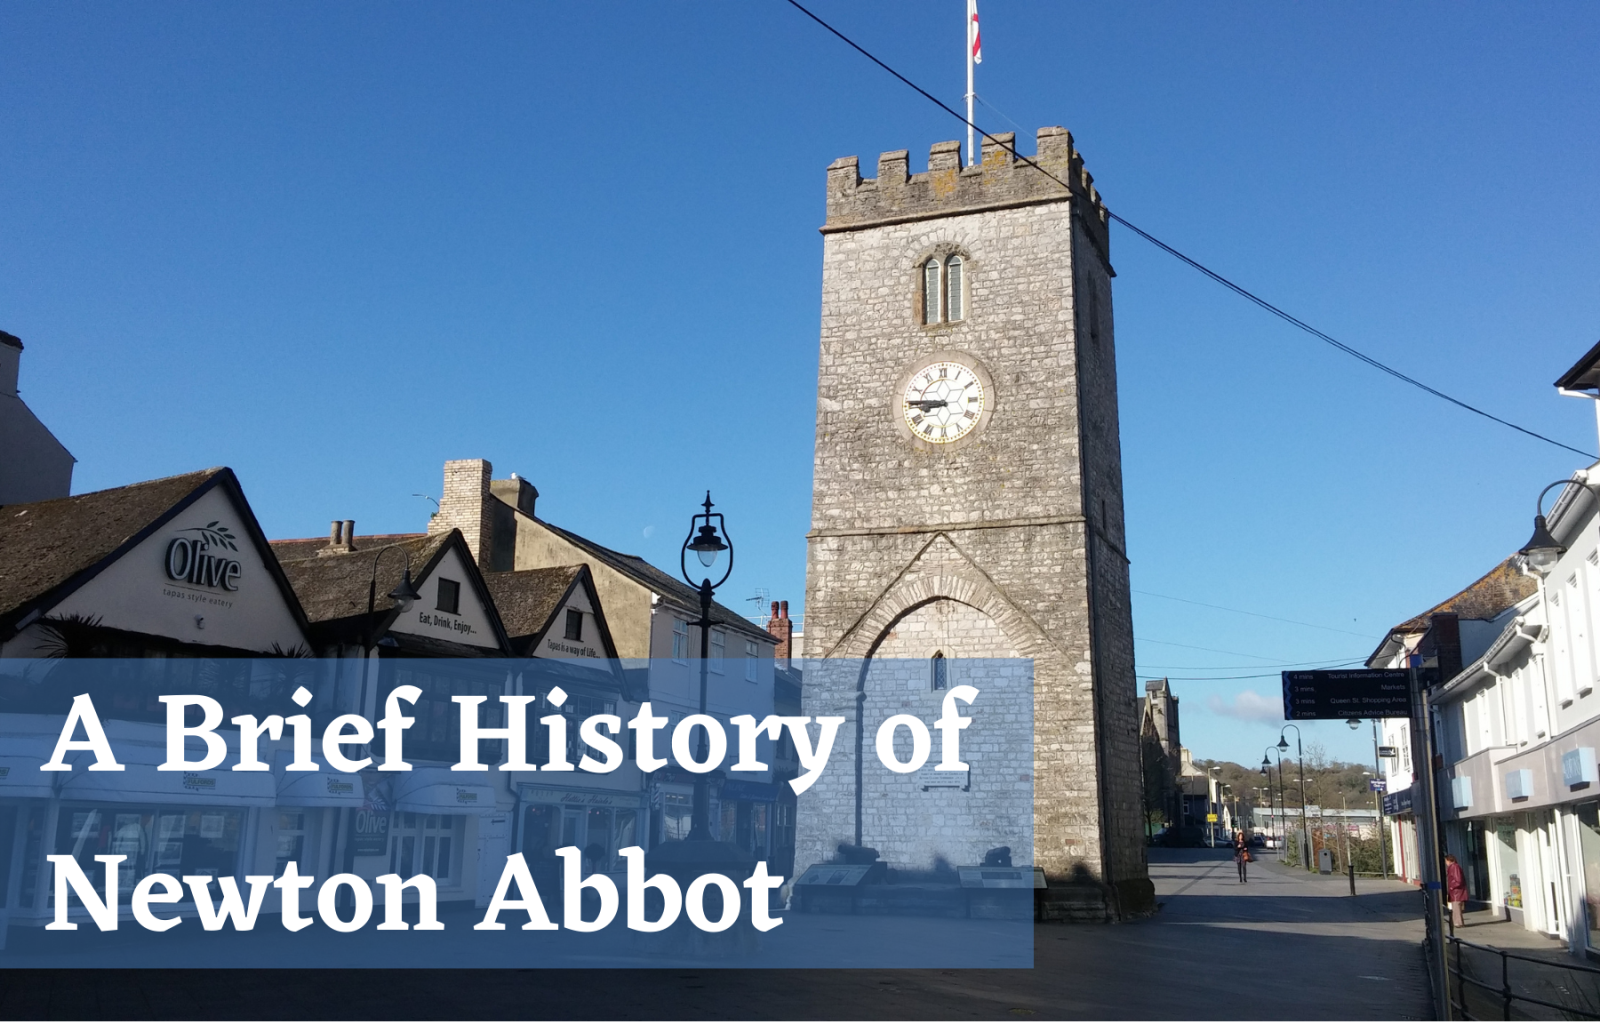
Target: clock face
<point>943,402</point>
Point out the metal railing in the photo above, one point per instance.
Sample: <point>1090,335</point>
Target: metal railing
<point>1498,993</point>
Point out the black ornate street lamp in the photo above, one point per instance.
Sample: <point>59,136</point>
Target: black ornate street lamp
<point>708,539</point>
<point>1542,550</point>
<point>403,595</point>
<point>1300,759</point>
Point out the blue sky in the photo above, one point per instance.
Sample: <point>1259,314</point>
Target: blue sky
<point>332,246</point>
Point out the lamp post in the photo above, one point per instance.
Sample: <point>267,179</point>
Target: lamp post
<point>403,595</point>
<point>708,539</point>
<point>1300,759</point>
<point>1283,812</point>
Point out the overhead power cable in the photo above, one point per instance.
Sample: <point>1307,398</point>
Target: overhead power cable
<point>1229,679</point>
<point>1258,615</point>
<point>1239,290</point>
<point>1211,650</point>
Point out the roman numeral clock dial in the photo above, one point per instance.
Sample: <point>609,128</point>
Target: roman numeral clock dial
<point>944,401</point>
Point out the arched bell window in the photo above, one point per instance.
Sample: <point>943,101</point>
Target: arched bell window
<point>939,671</point>
<point>944,297</point>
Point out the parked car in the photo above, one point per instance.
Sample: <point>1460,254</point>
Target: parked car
<point>1258,840</point>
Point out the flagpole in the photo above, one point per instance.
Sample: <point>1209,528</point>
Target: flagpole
<point>971,12</point>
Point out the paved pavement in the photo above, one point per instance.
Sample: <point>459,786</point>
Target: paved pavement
<point>1285,945</point>
<point>1542,973</point>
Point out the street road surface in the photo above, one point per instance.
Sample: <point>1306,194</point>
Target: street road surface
<point>1286,945</point>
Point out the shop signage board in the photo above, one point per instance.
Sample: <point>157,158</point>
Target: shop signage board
<point>1388,751</point>
<point>369,833</point>
<point>1346,693</point>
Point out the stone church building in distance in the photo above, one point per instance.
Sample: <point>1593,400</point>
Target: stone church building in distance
<point>967,498</point>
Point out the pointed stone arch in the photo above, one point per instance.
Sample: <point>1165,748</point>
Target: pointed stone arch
<point>941,571</point>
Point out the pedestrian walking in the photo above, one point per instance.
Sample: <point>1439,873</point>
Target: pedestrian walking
<point>1455,888</point>
<point>1241,853</point>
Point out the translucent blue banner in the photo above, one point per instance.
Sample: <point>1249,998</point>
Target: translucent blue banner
<point>419,812</point>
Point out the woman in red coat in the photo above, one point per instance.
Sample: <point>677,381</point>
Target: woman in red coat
<point>1455,888</point>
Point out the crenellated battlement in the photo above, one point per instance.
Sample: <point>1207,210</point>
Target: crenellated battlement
<point>998,181</point>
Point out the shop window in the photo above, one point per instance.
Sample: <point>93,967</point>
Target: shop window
<point>203,841</point>
<point>425,844</point>
<point>680,640</point>
<point>449,596</point>
<point>436,736</point>
<point>752,651</point>
<point>719,647</point>
<point>1589,845</point>
<point>1509,874</point>
<point>574,624</point>
<point>744,823</point>
<point>292,841</point>
<point>939,671</point>
<point>677,813</point>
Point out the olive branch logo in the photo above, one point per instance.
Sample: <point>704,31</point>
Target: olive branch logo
<point>214,534</point>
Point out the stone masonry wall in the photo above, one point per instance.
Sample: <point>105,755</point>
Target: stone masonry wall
<point>999,523</point>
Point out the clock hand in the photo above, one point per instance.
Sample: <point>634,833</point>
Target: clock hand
<point>929,404</point>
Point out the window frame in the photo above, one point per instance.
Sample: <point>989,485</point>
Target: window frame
<point>932,273</point>
<point>448,834</point>
<point>938,672</point>
<point>752,654</point>
<point>680,640</point>
<point>454,586</point>
<point>953,291</point>
<point>943,291</point>
<point>718,650</point>
<point>573,629</point>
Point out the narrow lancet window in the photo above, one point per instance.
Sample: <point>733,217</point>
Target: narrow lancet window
<point>930,292</point>
<point>939,671</point>
<point>953,305</point>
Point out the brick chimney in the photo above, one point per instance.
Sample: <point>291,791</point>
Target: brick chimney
<point>465,506</point>
<point>783,629</point>
<point>341,538</point>
<point>1446,630</point>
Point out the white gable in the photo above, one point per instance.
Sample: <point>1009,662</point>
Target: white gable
<point>556,645</point>
<point>198,579</point>
<point>468,624</point>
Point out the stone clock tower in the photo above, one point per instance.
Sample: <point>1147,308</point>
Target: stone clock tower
<point>967,496</point>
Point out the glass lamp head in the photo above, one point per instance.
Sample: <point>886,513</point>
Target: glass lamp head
<point>1542,550</point>
<point>707,546</point>
<point>405,592</point>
